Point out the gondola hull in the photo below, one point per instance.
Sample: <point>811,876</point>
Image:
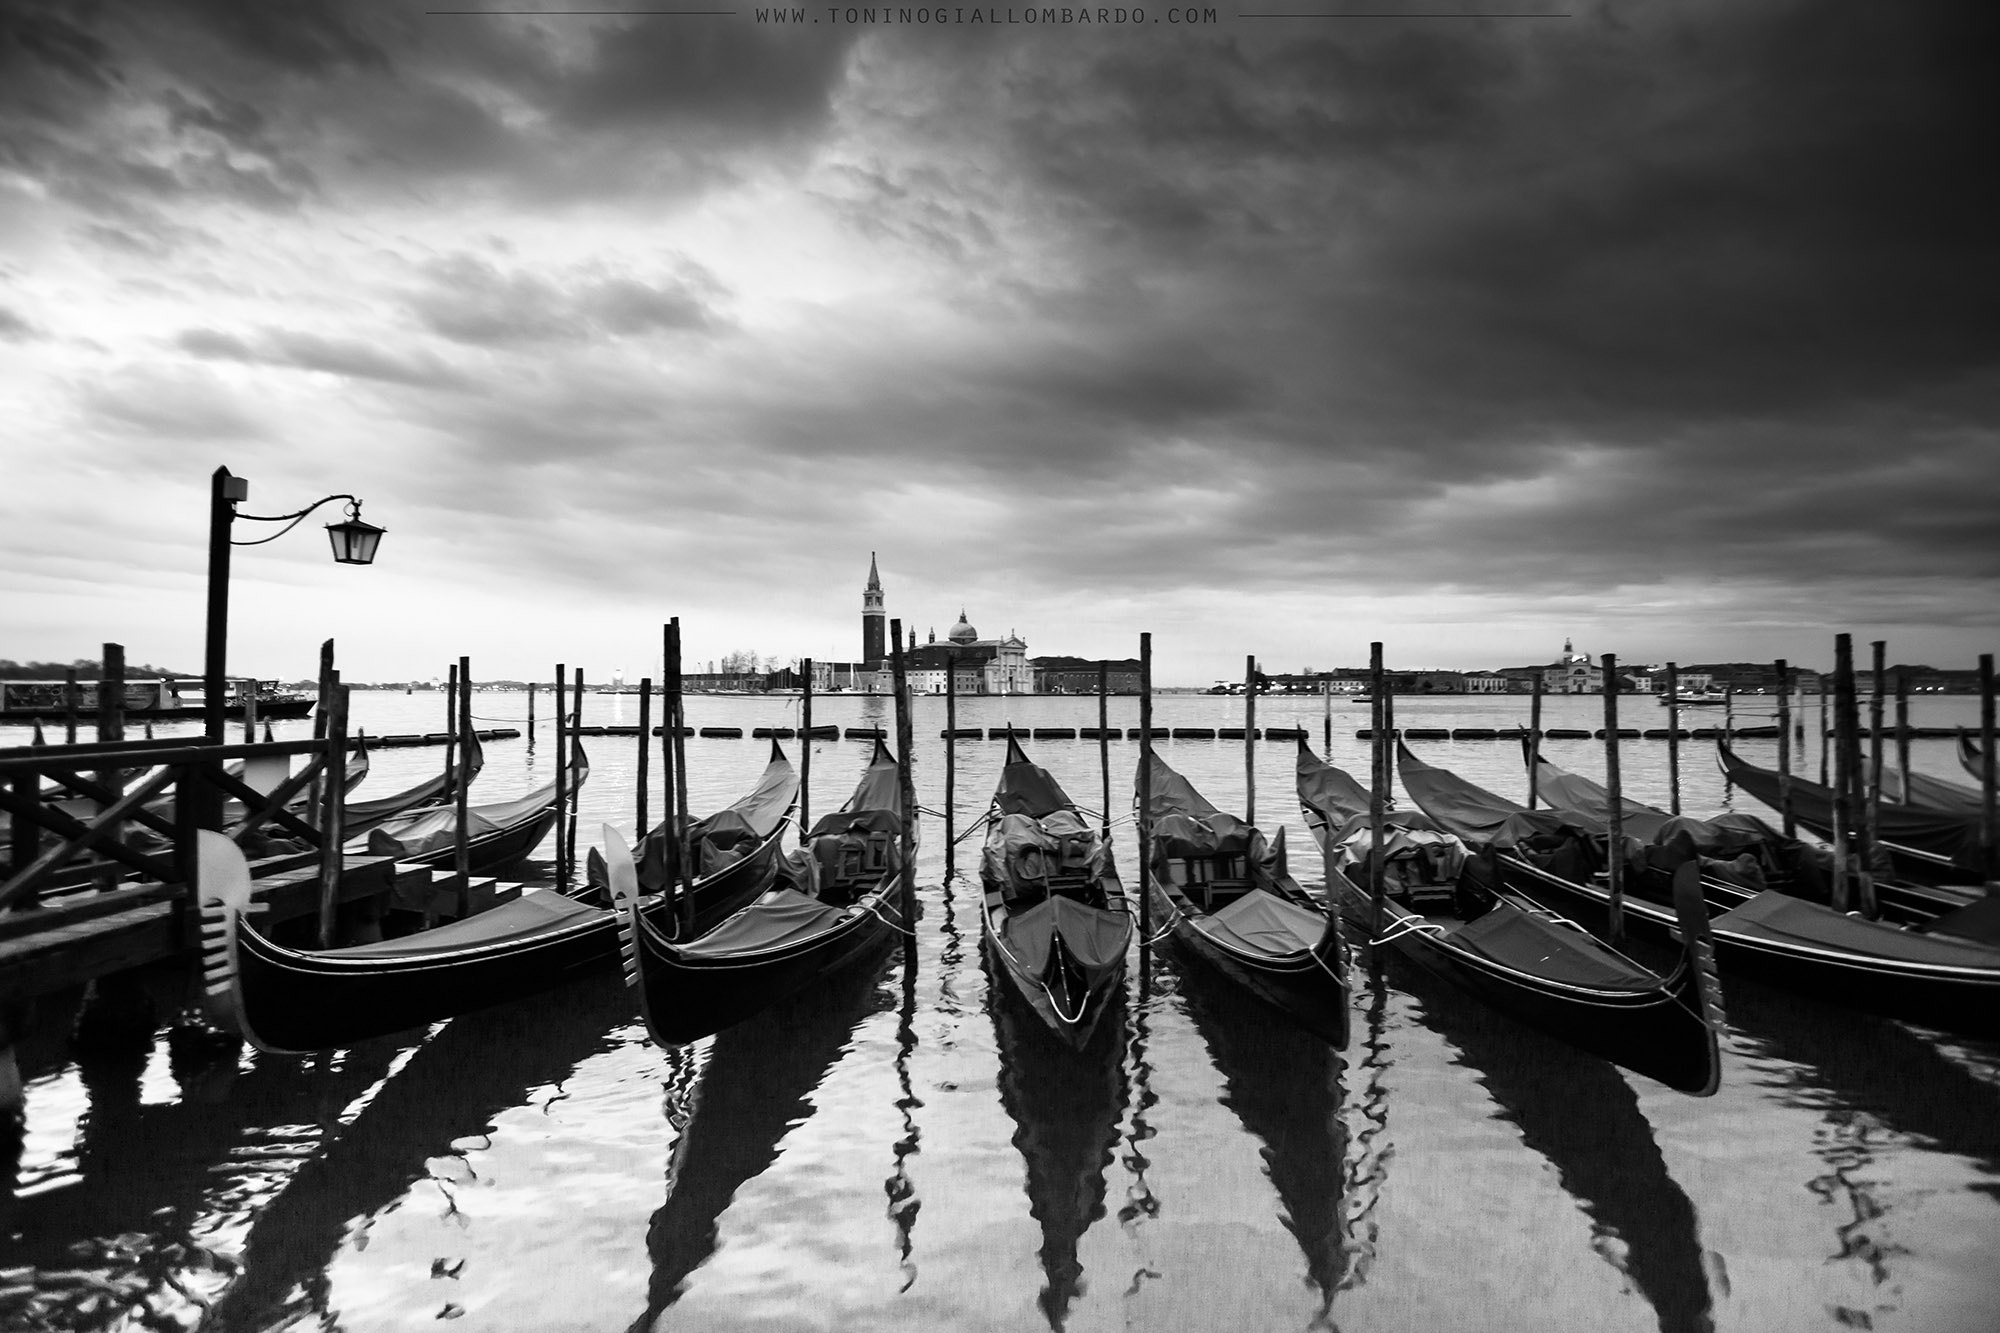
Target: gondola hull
<point>292,1001</point>
<point>1070,995</point>
<point>302,1000</point>
<point>1308,985</point>
<point>1958,999</point>
<point>689,995</point>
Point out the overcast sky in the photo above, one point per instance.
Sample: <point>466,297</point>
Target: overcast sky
<point>1671,328</point>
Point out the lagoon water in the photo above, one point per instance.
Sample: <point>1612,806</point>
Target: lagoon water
<point>896,1153</point>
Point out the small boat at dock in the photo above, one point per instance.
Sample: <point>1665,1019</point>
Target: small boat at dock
<point>1056,920</point>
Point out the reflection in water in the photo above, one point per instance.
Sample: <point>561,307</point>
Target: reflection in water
<point>1066,1105</point>
<point>1870,1078</point>
<point>1283,1083</point>
<point>470,1070</point>
<point>150,1181</point>
<point>1141,1204</point>
<point>755,1086</point>
<point>1366,1116</point>
<point>902,1191</point>
<point>1581,1114</point>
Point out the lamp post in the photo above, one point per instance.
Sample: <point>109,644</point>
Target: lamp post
<point>354,543</point>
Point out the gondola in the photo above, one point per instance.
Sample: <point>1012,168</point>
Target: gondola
<point>1740,854</point>
<point>290,999</point>
<point>498,833</point>
<point>1944,976</point>
<point>358,817</point>
<point>1066,1104</point>
<point>838,901</point>
<point>1225,893</point>
<point>1937,846</point>
<point>1465,923</point>
<point>1056,919</point>
<point>707,897</point>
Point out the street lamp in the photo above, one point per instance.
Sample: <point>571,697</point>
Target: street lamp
<point>354,543</point>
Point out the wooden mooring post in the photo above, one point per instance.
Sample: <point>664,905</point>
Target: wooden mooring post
<point>562,772</point>
<point>905,777</point>
<point>683,858</point>
<point>1903,731</point>
<point>1535,741</point>
<point>531,723</point>
<point>111,730</point>
<point>1674,740</point>
<point>1145,811</point>
<point>461,857</point>
<point>1785,811</point>
<point>1250,739</point>
<point>1326,717</point>
<point>569,812</point>
<point>332,812</point>
<point>1614,846</point>
<point>1872,814</point>
<point>805,749</point>
<point>69,706</point>
<point>670,773</point>
<point>1989,818</point>
<point>1378,788</point>
<point>950,761</point>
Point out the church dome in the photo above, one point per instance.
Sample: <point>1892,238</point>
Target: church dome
<point>963,632</point>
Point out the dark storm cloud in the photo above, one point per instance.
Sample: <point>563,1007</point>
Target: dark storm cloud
<point>271,105</point>
<point>470,300</point>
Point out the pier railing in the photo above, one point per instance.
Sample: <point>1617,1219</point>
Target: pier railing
<point>149,798</point>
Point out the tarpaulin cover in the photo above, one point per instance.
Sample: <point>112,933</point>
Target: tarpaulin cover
<point>535,912</point>
<point>1024,851</point>
<point>1339,798</point>
<point>1950,834</point>
<point>1724,835</point>
<point>1412,856</point>
<point>1979,921</point>
<point>728,835</point>
<point>1481,817</point>
<point>779,918</point>
<point>1186,824</point>
<point>1927,790</point>
<point>877,801</point>
<point>1026,788</point>
<point>1527,943</point>
<point>1263,923</point>
<point>433,830</point>
<point>1094,936</point>
<point>1776,916</point>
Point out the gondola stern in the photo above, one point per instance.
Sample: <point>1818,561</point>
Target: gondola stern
<point>1698,950</point>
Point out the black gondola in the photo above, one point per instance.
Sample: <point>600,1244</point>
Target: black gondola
<point>286,999</point>
<point>1741,855</point>
<point>709,846</point>
<point>1224,891</point>
<point>837,902</point>
<point>498,833</point>
<point>1937,846</point>
<point>1938,977</point>
<point>1056,916</point>
<point>1513,955</point>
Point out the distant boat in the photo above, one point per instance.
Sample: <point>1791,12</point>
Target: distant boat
<point>1699,699</point>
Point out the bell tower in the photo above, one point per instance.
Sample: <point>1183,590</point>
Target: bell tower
<point>874,620</point>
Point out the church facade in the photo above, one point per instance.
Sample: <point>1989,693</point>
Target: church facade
<point>976,665</point>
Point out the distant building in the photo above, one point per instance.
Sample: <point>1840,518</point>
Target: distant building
<point>1077,675</point>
